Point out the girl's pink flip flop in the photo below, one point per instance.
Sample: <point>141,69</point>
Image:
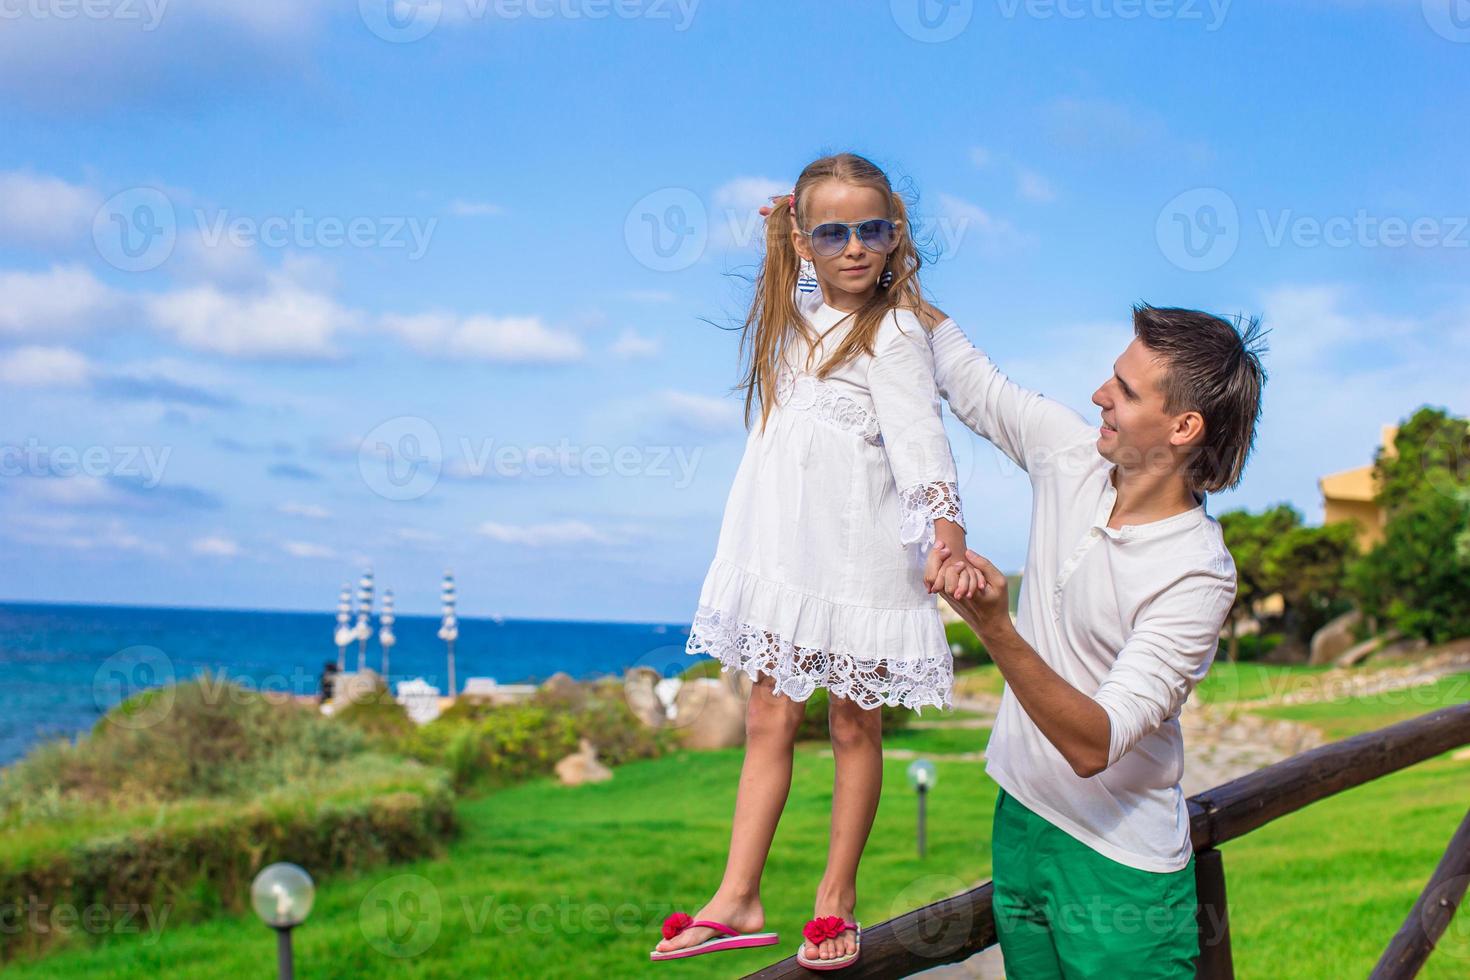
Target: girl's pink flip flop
<point>829,927</point>
<point>730,939</point>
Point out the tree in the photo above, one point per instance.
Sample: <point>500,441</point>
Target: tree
<point>1417,580</point>
<point>1249,536</point>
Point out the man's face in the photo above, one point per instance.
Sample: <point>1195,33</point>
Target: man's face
<point>1136,432</point>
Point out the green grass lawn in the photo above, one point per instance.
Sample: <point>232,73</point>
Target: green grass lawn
<point>1342,717</point>
<point>547,881</point>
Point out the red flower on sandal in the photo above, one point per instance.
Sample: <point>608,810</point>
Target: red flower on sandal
<point>823,927</point>
<point>676,924</point>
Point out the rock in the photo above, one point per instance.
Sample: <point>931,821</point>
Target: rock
<point>640,689</point>
<point>1334,639</point>
<point>1357,654</point>
<point>560,689</point>
<point>582,767</point>
<point>356,687</point>
<point>710,712</point>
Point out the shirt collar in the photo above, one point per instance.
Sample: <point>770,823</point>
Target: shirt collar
<point>1152,529</point>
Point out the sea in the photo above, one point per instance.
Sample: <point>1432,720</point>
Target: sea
<point>63,666</point>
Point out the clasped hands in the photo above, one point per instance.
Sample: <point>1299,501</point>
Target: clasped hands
<point>975,588</point>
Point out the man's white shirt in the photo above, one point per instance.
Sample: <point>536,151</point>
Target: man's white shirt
<point>1131,617</point>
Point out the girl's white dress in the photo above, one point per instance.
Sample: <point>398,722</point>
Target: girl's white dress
<point>817,579</point>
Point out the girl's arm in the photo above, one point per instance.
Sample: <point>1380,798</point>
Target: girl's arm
<point>901,381</point>
<point>1025,425</point>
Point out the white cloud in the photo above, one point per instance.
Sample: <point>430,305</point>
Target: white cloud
<point>631,344</point>
<point>306,549</point>
<point>1099,124</point>
<point>511,340</point>
<point>701,412</point>
<point>960,224</point>
<point>113,536</point>
<point>44,367</point>
<point>1338,371</point>
<point>735,218</point>
<point>474,209</point>
<point>544,535</point>
<point>285,320</point>
<point>1031,186</point>
<point>310,511</point>
<point>44,211</point>
<point>62,298</point>
<point>219,547</point>
<point>415,535</point>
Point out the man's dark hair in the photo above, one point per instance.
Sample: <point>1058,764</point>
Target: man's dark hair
<point>1213,367</point>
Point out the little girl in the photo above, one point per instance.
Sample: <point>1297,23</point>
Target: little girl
<point>818,577</point>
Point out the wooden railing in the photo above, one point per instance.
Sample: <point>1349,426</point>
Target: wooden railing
<point>957,928</point>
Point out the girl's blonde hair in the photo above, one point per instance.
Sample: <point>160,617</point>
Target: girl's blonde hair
<point>774,321</point>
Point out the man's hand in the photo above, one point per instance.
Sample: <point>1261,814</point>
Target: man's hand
<point>949,537</point>
<point>982,607</point>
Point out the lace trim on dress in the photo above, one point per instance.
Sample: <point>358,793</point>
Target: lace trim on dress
<point>798,671</point>
<point>808,393</point>
<point>921,505</point>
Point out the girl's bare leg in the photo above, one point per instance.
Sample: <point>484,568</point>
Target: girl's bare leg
<point>771,722</point>
<point>857,744</point>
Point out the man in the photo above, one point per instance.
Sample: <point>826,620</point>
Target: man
<point>1127,584</point>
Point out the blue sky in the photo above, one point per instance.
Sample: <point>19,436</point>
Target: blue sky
<point>244,246</point>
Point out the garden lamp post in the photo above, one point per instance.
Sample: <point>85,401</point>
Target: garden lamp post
<point>449,627</point>
<point>922,777</point>
<point>385,629</point>
<point>282,895</point>
<point>364,613</point>
<point>344,628</point>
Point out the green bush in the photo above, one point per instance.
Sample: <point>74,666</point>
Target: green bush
<point>179,795</point>
<point>382,720</point>
<point>483,745</point>
<point>972,652</point>
<point>204,738</point>
<point>191,870</point>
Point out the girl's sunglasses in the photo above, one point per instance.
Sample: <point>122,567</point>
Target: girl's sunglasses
<point>876,234</point>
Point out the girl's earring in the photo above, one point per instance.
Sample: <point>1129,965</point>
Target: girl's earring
<point>885,280</point>
<point>806,279</point>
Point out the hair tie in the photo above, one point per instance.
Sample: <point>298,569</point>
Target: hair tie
<point>793,203</point>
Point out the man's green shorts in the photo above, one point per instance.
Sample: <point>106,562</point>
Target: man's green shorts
<point>1065,911</point>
